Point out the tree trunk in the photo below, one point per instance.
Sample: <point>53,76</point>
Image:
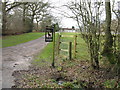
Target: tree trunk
<point>94,57</point>
<point>4,18</point>
<point>24,16</point>
<point>32,23</point>
<point>37,26</point>
<point>108,40</point>
<point>119,41</point>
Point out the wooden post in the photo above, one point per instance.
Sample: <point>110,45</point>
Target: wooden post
<point>70,50</point>
<point>75,44</point>
<point>53,62</point>
<point>58,44</point>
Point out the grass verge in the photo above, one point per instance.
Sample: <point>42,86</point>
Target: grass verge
<point>45,56</point>
<point>13,40</point>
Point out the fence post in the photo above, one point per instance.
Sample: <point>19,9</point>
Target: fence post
<point>75,44</point>
<point>58,47</point>
<point>70,50</point>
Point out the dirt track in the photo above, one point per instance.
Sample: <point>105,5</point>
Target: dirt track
<point>18,58</point>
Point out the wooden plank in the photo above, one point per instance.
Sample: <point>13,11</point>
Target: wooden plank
<point>67,35</point>
<point>65,50</point>
<point>65,42</point>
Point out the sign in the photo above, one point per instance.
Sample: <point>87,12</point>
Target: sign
<point>49,34</point>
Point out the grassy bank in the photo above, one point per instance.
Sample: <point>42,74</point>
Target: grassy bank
<point>13,40</point>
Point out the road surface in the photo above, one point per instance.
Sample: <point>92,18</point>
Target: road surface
<point>18,58</point>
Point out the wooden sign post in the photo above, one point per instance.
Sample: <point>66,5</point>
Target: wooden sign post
<point>50,37</point>
<point>53,62</point>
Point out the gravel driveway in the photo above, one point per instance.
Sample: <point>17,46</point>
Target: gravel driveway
<point>18,58</point>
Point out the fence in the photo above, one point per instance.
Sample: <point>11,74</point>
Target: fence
<point>69,49</point>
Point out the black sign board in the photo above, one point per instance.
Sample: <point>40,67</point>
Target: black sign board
<point>49,34</point>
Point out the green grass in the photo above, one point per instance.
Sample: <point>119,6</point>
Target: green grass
<point>13,40</point>
<point>45,57</point>
<point>81,47</point>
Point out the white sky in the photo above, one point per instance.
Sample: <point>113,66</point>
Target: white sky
<point>66,22</point>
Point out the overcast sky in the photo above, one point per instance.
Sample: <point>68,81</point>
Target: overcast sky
<point>66,22</point>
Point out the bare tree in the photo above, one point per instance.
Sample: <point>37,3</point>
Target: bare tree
<point>32,11</point>
<point>24,7</point>
<point>36,10</point>
<point>39,18</point>
<point>46,21</point>
<point>87,15</point>
<point>6,7</point>
<point>13,26</point>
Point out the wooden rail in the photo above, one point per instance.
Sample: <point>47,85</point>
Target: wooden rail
<point>65,42</point>
<point>65,50</point>
<point>67,35</point>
